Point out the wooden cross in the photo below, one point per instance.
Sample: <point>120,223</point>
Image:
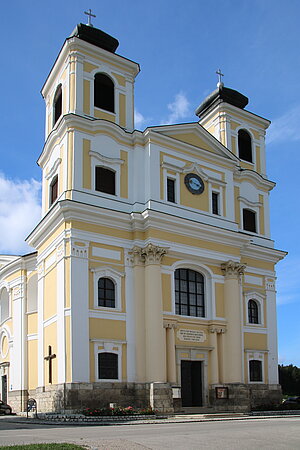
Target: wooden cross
<point>90,15</point>
<point>220,74</point>
<point>49,358</point>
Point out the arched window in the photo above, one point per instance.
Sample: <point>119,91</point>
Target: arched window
<point>105,180</point>
<point>57,104</point>
<point>245,145</point>
<point>249,220</point>
<point>4,305</point>
<point>104,92</point>
<point>106,293</point>
<point>253,310</point>
<point>189,293</point>
<point>255,370</point>
<point>108,366</point>
<point>53,190</point>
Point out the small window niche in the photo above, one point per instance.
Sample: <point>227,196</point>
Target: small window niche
<point>249,220</point>
<point>215,203</point>
<point>171,190</point>
<point>255,371</point>
<point>245,146</point>
<point>104,92</point>
<point>53,190</point>
<point>57,104</point>
<point>105,180</point>
<point>108,366</point>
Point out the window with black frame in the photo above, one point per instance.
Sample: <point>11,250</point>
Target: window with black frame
<point>106,293</point>
<point>108,366</point>
<point>253,312</point>
<point>189,293</point>
<point>255,370</point>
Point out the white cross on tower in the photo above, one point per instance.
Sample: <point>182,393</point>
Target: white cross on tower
<point>90,15</point>
<point>220,74</point>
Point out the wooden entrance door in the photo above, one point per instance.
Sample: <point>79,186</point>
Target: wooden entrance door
<point>191,383</point>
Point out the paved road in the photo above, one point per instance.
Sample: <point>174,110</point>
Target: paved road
<point>271,433</point>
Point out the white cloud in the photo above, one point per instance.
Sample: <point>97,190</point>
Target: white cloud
<point>179,109</point>
<point>139,119</point>
<point>20,211</point>
<point>286,127</point>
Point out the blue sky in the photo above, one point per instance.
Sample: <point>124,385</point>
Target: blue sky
<point>179,46</point>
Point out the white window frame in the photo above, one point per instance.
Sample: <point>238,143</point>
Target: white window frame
<point>176,179</point>
<point>114,164</point>
<point>53,172</point>
<point>260,303</point>
<point>116,277</point>
<point>108,347</point>
<point>208,288</point>
<point>256,356</point>
<point>253,206</point>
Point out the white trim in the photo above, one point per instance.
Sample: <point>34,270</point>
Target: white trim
<point>32,337</point>
<point>50,321</point>
<point>108,348</point>
<point>114,164</point>
<point>208,287</point>
<point>258,355</point>
<point>116,277</point>
<point>110,315</point>
<point>259,299</point>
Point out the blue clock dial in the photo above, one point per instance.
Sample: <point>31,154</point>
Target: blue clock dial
<point>194,183</point>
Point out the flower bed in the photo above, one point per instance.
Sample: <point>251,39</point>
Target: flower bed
<point>118,411</point>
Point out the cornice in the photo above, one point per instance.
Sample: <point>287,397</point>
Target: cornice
<point>254,177</point>
<point>266,253</point>
<point>225,156</point>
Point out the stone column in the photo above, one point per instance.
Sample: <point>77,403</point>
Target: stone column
<point>233,359</point>
<point>139,313</point>
<point>214,363</point>
<point>171,353</point>
<point>155,342</point>
<point>221,356</point>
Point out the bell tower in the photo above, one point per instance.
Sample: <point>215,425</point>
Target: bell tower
<point>222,113</point>
<point>88,83</point>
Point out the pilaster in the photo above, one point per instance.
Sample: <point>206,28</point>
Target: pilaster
<point>272,330</point>
<point>233,372</point>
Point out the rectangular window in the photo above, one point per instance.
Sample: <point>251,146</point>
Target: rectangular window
<point>255,370</point>
<point>215,197</point>
<point>105,180</point>
<point>107,366</point>
<point>249,220</point>
<point>171,190</point>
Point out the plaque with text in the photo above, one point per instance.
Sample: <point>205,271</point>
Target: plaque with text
<point>191,335</point>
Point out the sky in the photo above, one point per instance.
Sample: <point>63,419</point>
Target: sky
<point>179,46</point>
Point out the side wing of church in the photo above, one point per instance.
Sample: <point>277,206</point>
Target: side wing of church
<point>153,279</point>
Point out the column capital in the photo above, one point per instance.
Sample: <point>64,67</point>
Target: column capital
<point>217,329</point>
<point>232,269</point>
<point>151,254</point>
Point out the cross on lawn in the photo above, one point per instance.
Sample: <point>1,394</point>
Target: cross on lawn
<point>90,15</point>
<point>49,359</point>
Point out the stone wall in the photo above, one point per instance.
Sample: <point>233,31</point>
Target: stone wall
<point>244,397</point>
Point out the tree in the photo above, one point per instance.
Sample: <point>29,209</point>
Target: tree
<point>289,378</point>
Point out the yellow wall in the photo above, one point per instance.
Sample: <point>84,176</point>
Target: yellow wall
<point>50,284</point>
<point>86,97</point>
<point>122,106</point>
<point>220,307</point>
<point>107,329</point>
<point>124,174</point>
<point>86,167</point>
<point>32,348</point>
<point>50,338</point>
<point>255,341</point>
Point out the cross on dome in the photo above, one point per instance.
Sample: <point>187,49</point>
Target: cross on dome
<point>220,74</point>
<point>90,15</point>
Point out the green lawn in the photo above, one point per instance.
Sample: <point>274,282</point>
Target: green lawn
<point>43,447</point>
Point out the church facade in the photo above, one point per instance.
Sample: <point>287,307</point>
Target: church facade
<point>153,276</point>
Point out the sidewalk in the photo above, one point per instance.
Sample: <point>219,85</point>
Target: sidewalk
<point>79,420</point>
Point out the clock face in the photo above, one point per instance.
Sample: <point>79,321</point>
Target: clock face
<point>194,183</point>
